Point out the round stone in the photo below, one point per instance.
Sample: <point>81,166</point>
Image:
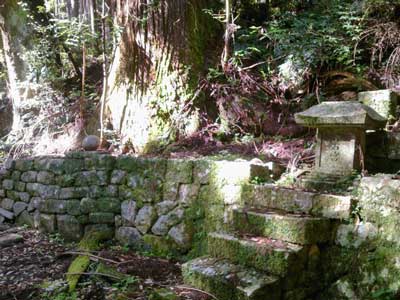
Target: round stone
<point>91,143</point>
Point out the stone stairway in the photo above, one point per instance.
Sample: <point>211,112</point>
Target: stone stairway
<point>273,248</point>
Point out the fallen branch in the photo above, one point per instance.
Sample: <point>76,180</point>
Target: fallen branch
<point>183,287</point>
<point>90,256</point>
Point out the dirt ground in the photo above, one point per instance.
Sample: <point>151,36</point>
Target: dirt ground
<point>34,268</point>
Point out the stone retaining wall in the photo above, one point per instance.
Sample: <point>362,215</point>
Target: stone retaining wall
<point>371,269</point>
<point>161,202</point>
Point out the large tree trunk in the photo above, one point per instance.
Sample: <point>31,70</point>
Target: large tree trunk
<point>163,51</point>
<point>11,25</point>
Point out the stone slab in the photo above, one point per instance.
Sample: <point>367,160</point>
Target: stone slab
<point>298,229</point>
<point>227,281</point>
<point>271,256</point>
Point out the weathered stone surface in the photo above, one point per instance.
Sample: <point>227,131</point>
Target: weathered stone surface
<point>105,229</point>
<point>165,207</point>
<point>19,207</point>
<point>354,236</point>
<point>124,192</point>
<point>20,186</point>
<point>100,162</point>
<point>34,203</point>
<point>188,193</point>
<point>128,211</point>
<point>383,102</point>
<point>91,143</point>
<point>227,281</point>
<point>44,191</point>
<point>46,177</point>
<point>165,222</point>
<point>100,205</point>
<point>53,206</point>
<point>118,177</point>
<point>23,165</point>
<point>69,227</point>
<point>6,214</point>
<point>181,235</point>
<point>101,218</point>
<point>179,171</point>
<point>202,171</point>
<point>145,218</point>
<point>74,207</point>
<point>170,191</point>
<point>277,258</point>
<point>29,176</point>
<point>54,165</point>
<point>88,178</point>
<point>7,204</point>
<point>25,219</point>
<point>74,192</point>
<point>346,113</point>
<point>47,223</point>
<point>10,239</point>
<point>24,197</point>
<point>128,236</point>
<point>290,228</point>
<point>8,184</point>
<point>297,201</point>
<point>16,175</point>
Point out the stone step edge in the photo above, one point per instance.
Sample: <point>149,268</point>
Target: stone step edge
<point>275,260</point>
<point>228,281</point>
<point>316,204</point>
<point>290,229</point>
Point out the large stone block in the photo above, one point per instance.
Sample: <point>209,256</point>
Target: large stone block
<point>19,207</point>
<point>128,212</point>
<point>118,177</point>
<point>20,186</point>
<point>74,192</point>
<point>100,162</point>
<point>8,184</point>
<point>53,206</point>
<point>46,177</point>
<point>165,222</point>
<point>111,205</point>
<point>181,235</point>
<point>145,218</point>
<point>179,171</point>
<point>7,204</point>
<point>227,281</point>
<point>47,223</point>
<point>101,218</point>
<point>29,176</point>
<point>382,101</point>
<point>69,227</point>
<point>88,178</point>
<point>23,165</point>
<point>128,236</point>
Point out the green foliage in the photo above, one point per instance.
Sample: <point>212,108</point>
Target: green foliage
<point>322,36</point>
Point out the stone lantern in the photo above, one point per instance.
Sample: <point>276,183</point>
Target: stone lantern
<point>341,128</point>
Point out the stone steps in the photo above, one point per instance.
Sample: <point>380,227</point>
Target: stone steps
<point>297,201</point>
<point>271,256</point>
<point>292,228</point>
<point>228,281</point>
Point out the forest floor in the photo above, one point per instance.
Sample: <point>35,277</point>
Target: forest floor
<point>33,267</point>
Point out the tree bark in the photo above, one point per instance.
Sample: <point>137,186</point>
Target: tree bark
<point>163,52</point>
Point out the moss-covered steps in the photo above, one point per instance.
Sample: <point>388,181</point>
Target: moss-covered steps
<point>271,256</point>
<point>297,201</point>
<point>227,281</point>
<point>292,228</point>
